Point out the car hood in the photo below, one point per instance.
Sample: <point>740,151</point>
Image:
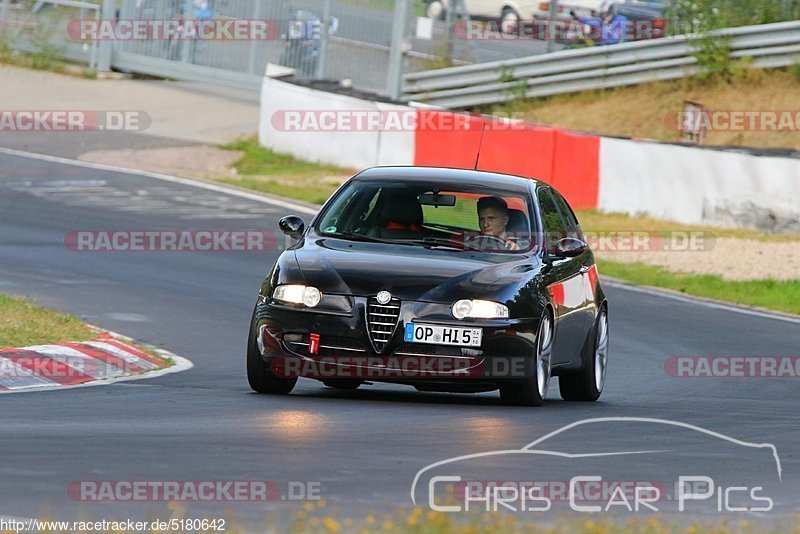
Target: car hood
<point>411,272</point>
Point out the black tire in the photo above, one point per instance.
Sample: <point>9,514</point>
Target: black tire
<point>259,374</point>
<point>526,392</point>
<point>583,386</point>
<point>343,384</point>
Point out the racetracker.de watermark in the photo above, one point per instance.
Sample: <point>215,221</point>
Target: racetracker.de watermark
<point>192,490</point>
<point>557,30</point>
<point>611,241</point>
<point>733,366</point>
<point>739,120</point>
<point>171,240</point>
<point>401,120</point>
<point>60,120</point>
<point>176,30</point>
<point>20,364</point>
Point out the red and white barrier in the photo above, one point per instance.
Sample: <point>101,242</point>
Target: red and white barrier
<point>690,185</point>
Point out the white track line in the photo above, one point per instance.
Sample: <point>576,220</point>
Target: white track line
<point>699,301</point>
<point>166,177</point>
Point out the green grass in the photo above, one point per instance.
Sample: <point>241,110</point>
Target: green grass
<point>24,324</point>
<point>595,221</point>
<point>263,170</point>
<point>775,295</point>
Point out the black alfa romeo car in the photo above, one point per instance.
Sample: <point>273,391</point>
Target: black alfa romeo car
<point>442,279</point>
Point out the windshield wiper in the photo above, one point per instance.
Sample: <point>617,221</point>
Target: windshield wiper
<point>353,236</point>
<point>441,242</point>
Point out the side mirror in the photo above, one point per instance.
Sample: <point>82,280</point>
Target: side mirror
<point>569,247</point>
<point>292,225</point>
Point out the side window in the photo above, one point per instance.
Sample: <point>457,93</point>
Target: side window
<point>554,226</point>
<point>570,221</point>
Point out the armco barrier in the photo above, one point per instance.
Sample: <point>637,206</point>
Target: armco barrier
<point>691,185</point>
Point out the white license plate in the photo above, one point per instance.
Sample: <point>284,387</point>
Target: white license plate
<point>443,335</point>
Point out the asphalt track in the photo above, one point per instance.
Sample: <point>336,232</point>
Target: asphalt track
<point>363,447</point>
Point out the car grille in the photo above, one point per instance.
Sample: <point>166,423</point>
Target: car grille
<point>381,321</point>
<point>329,346</point>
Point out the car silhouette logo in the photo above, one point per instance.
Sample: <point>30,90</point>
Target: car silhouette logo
<point>384,297</point>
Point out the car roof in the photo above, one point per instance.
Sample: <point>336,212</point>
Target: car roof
<point>413,174</point>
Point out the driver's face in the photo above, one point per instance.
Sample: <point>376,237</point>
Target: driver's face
<point>492,221</point>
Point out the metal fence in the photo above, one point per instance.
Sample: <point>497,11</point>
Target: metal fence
<point>371,43</point>
<point>769,45</point>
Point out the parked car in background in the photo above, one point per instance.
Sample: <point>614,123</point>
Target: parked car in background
<point>648,17</point>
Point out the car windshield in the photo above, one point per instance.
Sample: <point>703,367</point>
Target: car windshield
<point>446,216</point>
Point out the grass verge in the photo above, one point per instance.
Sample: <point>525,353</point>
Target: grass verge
<point>771,294</point>
<point>24,324</point>
<point>263,170</point>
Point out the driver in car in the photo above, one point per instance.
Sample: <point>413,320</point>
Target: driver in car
<point>493,219</point>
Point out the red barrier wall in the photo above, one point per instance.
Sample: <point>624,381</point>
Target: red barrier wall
<point>576,174</point>
<point>566,160</point>
<point>524,152</point>
<point>446,147</point>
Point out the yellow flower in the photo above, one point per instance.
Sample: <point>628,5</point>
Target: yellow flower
<point>331,524</point>
<point>411,521</point>
<point>321,503</point>
<point>370,519</point>
<point>388,525</point>
<point>308,507</point>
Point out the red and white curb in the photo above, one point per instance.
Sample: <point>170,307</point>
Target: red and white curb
<point>108,359</point>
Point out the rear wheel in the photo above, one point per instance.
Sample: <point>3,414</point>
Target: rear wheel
<point>587,385</point>
<point>532,390</point>
<point>259,374</point>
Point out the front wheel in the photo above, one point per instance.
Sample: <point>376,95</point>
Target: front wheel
<point>587,385</point>
<point>532,390</point>
<point>259,374</point>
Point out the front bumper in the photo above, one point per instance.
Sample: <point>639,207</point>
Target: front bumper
<point>330,344</point>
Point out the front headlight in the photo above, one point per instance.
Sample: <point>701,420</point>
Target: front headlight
<point>479,309</point>
<point>296,294</point>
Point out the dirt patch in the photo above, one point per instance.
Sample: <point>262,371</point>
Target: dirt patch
<point>731,258</point>
<point>199,161</point>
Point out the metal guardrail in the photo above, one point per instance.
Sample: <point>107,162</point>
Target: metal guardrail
<point>602,67</point>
